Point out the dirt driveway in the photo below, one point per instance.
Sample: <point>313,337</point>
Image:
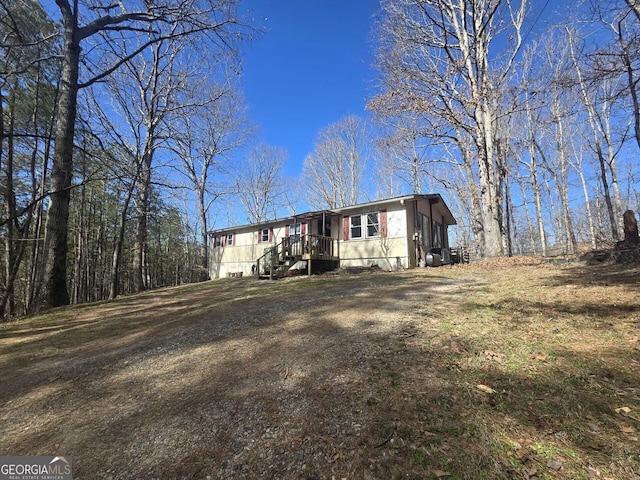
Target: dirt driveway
<point>305,378</point>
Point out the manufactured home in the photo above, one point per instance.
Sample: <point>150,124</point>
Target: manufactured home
<point>393,234</point>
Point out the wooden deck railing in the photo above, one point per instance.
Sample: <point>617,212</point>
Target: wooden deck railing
<point>299,247</point>
<point>309,246</point>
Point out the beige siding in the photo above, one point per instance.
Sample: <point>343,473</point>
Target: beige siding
<point>393,251</point>
<point>388,253</point>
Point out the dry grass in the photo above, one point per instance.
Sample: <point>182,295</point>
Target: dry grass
<point>496,370</point>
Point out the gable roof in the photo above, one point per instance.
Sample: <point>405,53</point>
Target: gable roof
<point>432,197</point>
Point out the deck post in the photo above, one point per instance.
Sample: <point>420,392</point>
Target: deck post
<point>273,254</point>
<point>308,239</point>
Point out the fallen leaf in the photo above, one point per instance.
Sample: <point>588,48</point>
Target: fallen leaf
<point>440,473</point>
<point>623,410</point>
<point>627,429</point>
<point>524,454</point>
<point>485,388</point>
<point>540,358</point>
<point>495,356</point>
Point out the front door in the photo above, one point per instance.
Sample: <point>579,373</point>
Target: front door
<point>324,230</point>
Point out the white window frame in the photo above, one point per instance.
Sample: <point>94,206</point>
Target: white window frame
<point>264,235</point>
<point>364,226</point>
<point>218,241</point>
<point>352,227</point>
<point>230,239</point>
<point>375,225</point>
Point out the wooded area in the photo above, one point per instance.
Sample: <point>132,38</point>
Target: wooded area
<point>519,120</point>
<point>122,132</point>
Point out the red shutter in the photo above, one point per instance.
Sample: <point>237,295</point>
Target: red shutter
<point>223,241</point>
<point>233,239</point>
<point>260,236</point>
<point>286,231</point>
<point>271,235</point>
<point>383,223</point>
<point>303,229</point>
<point>345,228</point>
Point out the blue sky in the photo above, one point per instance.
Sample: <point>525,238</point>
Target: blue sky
<point>310,68</point>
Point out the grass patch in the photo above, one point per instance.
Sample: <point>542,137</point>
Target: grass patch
<point>489,372</point>
<point>557,377</point>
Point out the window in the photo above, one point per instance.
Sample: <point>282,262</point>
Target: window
<point>370,220</point>
<point>373,225</point>
<point>437,237</point>
<point>218,241</point>
<point>424,228</point>
<point>355,222</point>
<point>230,239</point>
<point>264,235</point>
<point>368,225</point>
<point>294,232</point>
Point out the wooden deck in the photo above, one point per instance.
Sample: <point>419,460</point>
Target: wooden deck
<point>316,250</point>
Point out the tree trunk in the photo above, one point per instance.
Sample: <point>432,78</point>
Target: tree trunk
<point>477,226</point>
<point>142,208</point>
<point>490,210</point>
<point>54,291</point>
<point>491,199</point>
<point>38,192</point>
<point>204,240</point>
<point>530,228</point>
<point>535,184</point>
<point>631,81</point>
<point>587,203</point>
<point>591,113</point>
<point>7,304</point>
<point>116,259</point>
<point>561,184</point>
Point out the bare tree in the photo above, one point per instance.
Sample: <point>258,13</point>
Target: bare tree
<point>213,19</point>
<point>603,143</point>
<point>437,58</point>
<point>628,42</point>
<point>403,154</point>
<point>204,138</point>
<point>635,7</point>
<point>529,159</point>
<point>260,184</point>
<point>333,171</point>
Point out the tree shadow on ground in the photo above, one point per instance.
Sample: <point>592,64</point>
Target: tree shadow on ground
<point>359,379</point>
